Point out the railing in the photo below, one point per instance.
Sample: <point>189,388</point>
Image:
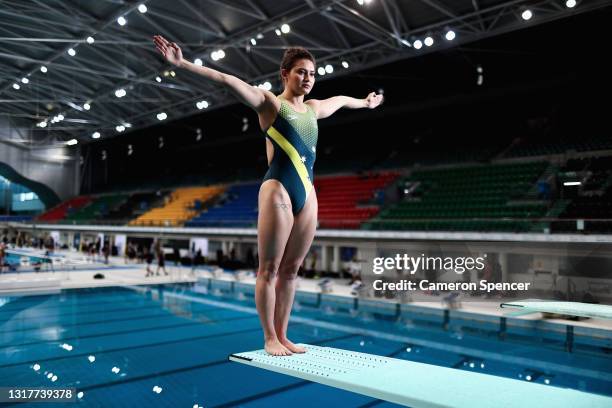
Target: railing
<point>536,225</point>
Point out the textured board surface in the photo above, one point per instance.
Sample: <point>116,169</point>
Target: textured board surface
<point>416,384</point>
<point>565,308</point>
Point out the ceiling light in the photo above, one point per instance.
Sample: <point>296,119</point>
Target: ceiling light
<point>527,14</point>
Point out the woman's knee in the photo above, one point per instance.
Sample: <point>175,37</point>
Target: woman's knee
<point>268,269</point>
<point>289,270</point>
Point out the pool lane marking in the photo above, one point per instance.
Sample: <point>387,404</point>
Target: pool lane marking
<point>139,346</point>
<point>95,312</point>
<point>190,323</point>
<point>160,313</point>
<point>11,313</point>
<point>147,304</point>
<point>143,317</point>
<point>4,308</point>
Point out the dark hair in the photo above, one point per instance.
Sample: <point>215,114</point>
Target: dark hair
<point>292,55</point>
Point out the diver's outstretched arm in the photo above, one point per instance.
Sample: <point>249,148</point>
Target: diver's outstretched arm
<point>327,107</point>
<point>254,97</point>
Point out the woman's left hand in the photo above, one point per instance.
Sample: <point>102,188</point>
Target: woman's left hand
<point>373,100</point>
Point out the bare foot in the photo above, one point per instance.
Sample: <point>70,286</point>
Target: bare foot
<point>275,348</point>
<point>292,347</point>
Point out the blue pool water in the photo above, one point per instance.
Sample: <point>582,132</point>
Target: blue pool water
<point>178,338</point>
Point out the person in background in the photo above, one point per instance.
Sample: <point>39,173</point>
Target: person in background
<point>106,252</point>
<point>2,256</point>
<point>148,254</point>
<point>161,258</point>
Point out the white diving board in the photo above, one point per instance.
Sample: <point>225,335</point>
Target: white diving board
<point>565,308</point>
<point>416,384</point>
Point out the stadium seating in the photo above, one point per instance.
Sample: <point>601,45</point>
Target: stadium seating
<point>179,207</point>
<point>96,210</point>
<point>344,200</point>
<point>238,208</point>
<point>483,197</point>
<point>64,209</point>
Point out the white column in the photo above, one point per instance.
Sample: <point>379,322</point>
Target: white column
<point>366,258</point>
<point>324,258</point>
<point>503,261</point>
<point>239,250</point>
<point>336,259</point>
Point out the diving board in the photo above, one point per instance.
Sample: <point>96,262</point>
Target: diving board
<point>416,384</point>
<point>565,308</point>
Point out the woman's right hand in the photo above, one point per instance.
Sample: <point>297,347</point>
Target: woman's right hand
<point>170,51</point>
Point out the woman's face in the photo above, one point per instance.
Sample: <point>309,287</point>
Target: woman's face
<point>301,78</point>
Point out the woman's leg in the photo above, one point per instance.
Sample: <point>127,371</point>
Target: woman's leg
<point>302,234</point>
<point>273,228</point>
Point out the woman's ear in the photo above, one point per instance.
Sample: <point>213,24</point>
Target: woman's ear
<point>284,73</point>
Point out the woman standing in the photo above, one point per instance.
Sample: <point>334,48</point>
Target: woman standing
<point>287,217</point>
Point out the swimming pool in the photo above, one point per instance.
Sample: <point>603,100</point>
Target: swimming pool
<point>168,346</point>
